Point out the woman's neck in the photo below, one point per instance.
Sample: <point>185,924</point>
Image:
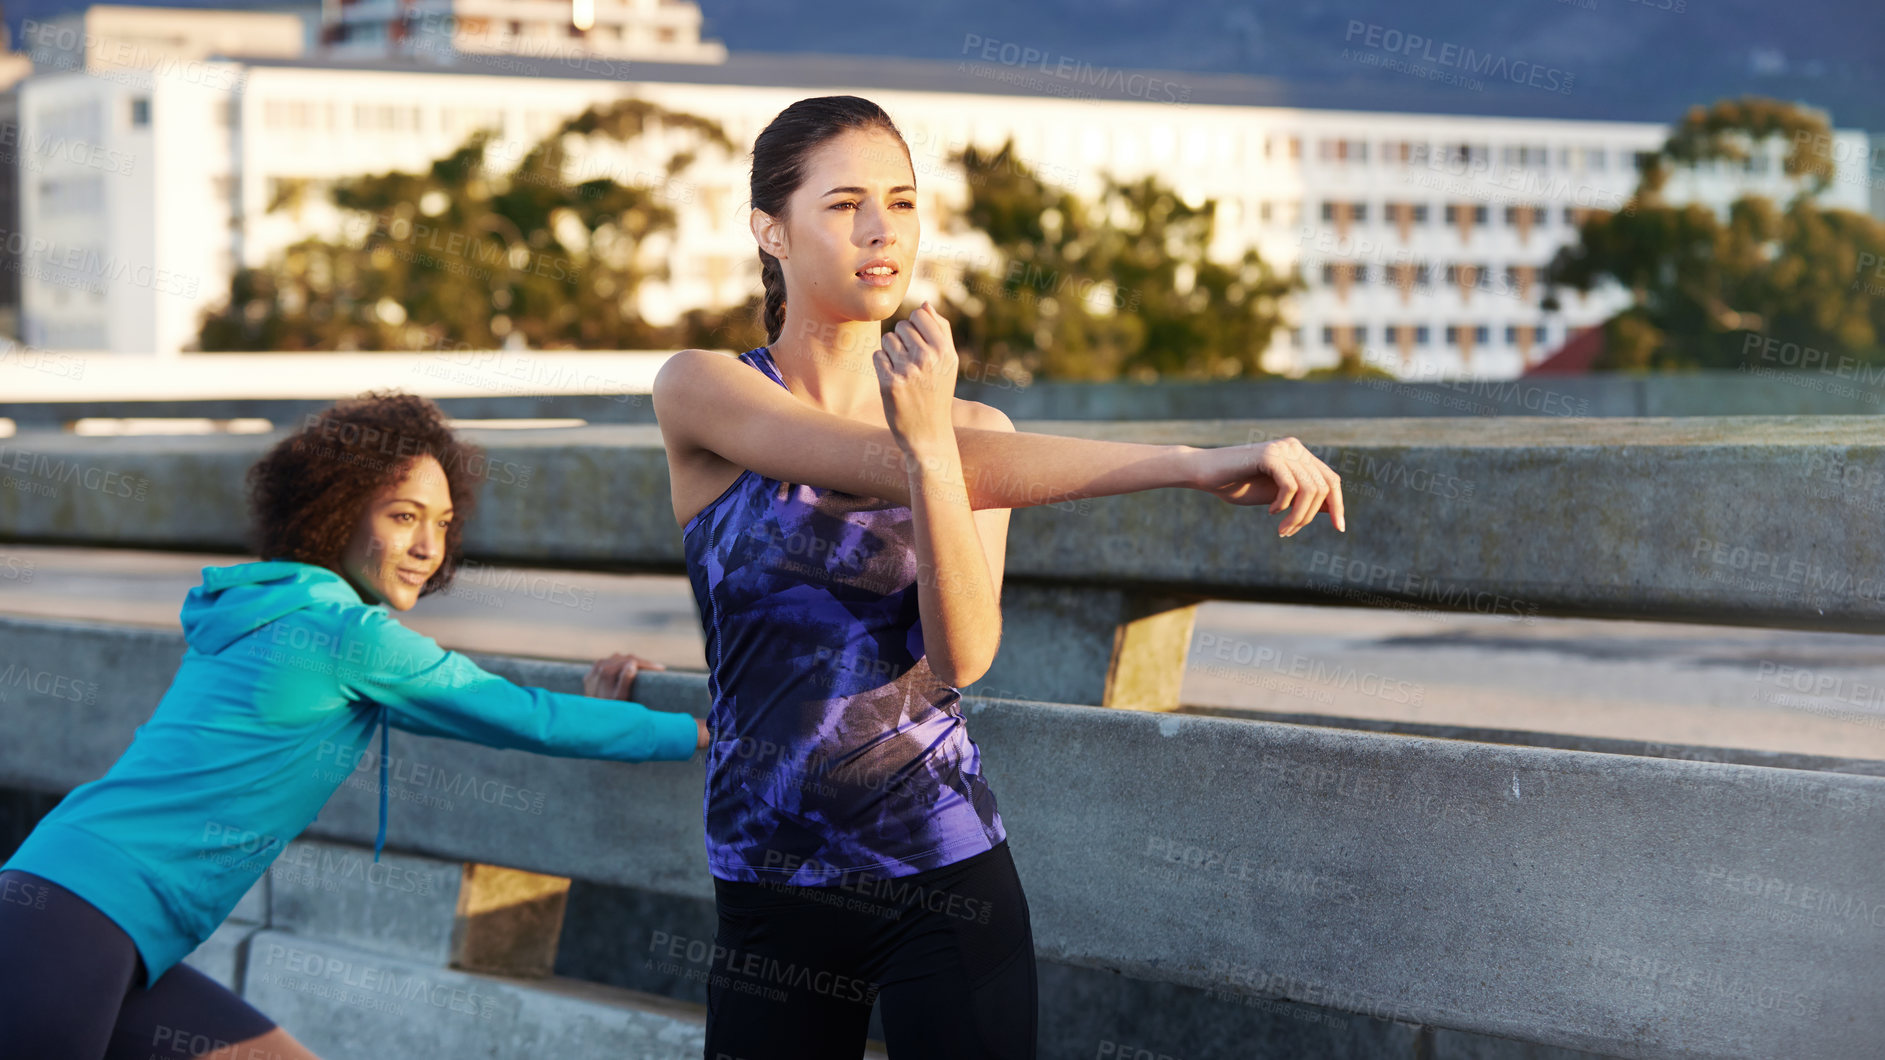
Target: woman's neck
<point>829,367</point>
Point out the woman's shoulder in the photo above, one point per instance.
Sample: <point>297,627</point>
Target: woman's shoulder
<point>684,365</point>
<point>980,414</point>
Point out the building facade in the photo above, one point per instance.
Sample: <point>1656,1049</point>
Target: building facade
<point>1421,237</point>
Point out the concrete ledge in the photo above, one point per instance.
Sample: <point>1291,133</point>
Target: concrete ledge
<point>402,906</point>
<point>1712,393</point>
<point>1752,520</point>
<point>1635,906</point>
<point>344,1002</point>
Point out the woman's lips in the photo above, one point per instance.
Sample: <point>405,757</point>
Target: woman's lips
<point>877,279</point>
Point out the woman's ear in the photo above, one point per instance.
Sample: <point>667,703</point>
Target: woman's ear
<point>769,231</point>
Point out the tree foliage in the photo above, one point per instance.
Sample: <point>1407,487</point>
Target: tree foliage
<point>469,254</point>
<point>1709,291</point>
<point>1121,287</point>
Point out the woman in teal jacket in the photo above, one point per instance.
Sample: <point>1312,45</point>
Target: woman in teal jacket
<point>292,664</point>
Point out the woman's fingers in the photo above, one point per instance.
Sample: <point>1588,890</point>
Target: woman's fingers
<point>1315,490</point>
<point>930,325</point>
<point>592,681</point>
<point>1285,480</point>
<point>613,677</point>
<point>1337,512</point>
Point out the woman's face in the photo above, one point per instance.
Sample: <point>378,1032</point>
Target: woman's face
<point>399,542</point>
<point>856,206</point>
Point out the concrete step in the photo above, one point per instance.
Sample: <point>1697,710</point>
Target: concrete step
<point>344,1003</point>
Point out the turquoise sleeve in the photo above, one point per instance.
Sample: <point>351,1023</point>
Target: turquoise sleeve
<point>435,692</point>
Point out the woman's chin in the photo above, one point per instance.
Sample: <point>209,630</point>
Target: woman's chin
<point>399,597</point>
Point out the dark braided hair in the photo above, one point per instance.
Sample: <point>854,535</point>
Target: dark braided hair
<point>779,156</point>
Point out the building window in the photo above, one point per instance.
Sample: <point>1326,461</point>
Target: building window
<point>140,111</point>
<point>1328,211</point>
<point>1420,213</point>
<point>1525,156</point>
<point>1421,335</point>
<point>1328,335</point>
<point>1482,334</point>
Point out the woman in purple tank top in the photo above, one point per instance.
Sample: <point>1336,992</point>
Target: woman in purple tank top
<point>845,519</point>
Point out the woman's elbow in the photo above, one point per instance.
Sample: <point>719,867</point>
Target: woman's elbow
<point>966,672</point>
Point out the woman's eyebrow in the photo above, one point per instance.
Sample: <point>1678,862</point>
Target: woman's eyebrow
<point>417,504</point>
<point>866,191</point>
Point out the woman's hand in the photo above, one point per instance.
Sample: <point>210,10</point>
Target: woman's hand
<point>916,371</point>
<point>614,677</point>
<point>1281,473</point>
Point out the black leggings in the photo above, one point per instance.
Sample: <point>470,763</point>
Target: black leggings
<point>947,953</point>
<point>68,987</point>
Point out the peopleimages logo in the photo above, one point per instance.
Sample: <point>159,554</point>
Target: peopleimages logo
<point>1465,58</point>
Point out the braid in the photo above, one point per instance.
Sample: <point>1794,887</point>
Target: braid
<point>773,277</point>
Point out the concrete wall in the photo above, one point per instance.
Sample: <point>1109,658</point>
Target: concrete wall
<point>1778,390</point>
<point>1631,906</point>
<point>1758,520</point>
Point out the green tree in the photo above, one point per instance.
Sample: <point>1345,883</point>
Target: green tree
<point>467,253</point>
<point>1700,284</point>
<point>1099,291</point>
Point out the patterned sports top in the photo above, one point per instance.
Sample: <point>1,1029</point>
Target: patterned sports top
<point>835,748</point>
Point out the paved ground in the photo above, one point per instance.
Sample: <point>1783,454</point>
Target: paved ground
<point>1815,693</point>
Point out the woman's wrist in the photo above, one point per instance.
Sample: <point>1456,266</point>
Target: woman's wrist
<point>1194,467</point>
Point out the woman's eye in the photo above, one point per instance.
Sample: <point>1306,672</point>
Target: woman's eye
<point>399,516</point>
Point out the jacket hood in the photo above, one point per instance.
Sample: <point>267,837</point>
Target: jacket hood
<point>235,601</point>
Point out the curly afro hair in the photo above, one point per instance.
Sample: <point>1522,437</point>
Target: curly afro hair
<point>307,494</point>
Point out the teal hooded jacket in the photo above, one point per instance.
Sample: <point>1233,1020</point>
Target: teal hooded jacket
<point>286,676</point>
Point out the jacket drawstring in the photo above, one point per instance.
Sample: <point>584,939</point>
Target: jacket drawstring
<point>380,840</point>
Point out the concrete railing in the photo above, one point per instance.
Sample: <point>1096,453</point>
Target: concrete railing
<point>1752,520</point>
<point>1778,389</point>
<point>1632,906</point>
<point>1247,873</point>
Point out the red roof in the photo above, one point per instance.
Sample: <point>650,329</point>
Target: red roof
<point>1576,356</point>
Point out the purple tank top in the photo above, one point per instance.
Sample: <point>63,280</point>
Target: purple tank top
<point>836,748</point>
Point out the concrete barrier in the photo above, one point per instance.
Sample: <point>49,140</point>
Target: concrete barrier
<point>1775,390</point>
<point>1764,521</point>
<point>1634,906</point>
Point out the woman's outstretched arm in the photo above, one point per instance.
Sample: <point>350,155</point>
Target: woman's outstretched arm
<point>710,401</point>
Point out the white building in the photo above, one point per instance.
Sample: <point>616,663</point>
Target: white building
<point>109,37</point>
<point>663,30</point>
<point>1420,235</point>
